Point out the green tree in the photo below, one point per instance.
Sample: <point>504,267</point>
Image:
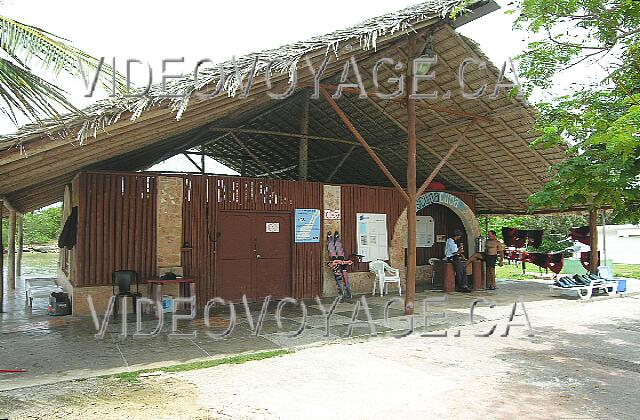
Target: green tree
<point>40,227</point>
<point>556,228</point>
<point>599,124</point>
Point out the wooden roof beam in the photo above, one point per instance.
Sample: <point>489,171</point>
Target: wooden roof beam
<point>282,134</point>
<point>253,156</point>
<point>363,142</point>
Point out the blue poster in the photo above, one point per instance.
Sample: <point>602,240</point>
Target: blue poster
<point>307,225</point>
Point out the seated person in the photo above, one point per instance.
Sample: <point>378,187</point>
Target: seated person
<point>454,254</point>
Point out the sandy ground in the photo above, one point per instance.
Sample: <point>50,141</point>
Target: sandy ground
<point>583,362</point>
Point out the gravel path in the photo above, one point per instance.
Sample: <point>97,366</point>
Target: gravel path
<point>582,363</point>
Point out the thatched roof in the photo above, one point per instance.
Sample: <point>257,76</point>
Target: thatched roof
<point>133,133</point>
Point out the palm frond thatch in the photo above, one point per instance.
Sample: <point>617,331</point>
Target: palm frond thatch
<point>177,93</point>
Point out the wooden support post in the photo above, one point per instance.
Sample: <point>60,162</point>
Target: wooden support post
<point>303,153</point>
<point>11,250</point>
<point>1,259</point>
<point>20,245</point>
<point>411,185</point>
<point>364,143</point>
<point>186,154</point>
<point>202,159</point>
<point>593,234</point>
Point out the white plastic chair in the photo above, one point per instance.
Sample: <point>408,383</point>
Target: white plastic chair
<point>604,271</point>
<point>385,274</point>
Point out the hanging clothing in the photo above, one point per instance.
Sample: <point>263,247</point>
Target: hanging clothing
<point>581,234</point>
<point>585,259</point>
<point>513,237</point>
<point>534,237</point>
<point>69,233</point>
<point>519,238</point>
<point>551,261</point>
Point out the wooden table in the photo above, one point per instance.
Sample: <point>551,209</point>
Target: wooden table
<point>158,282</point>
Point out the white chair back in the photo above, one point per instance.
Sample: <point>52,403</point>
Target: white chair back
<point>377,267</point>
<point>604,271</point>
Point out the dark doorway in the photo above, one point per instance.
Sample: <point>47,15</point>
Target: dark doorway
<point>254,255</point>
<point>445,221</point>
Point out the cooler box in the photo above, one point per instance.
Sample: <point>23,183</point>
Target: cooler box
<point>622,285</point>
<point>167,304</point>
<point>59,304</point>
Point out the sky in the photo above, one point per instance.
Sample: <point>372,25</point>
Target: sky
<point>150,31</point>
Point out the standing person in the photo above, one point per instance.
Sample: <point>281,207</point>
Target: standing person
<point>494,251</point>
<point>454,254</point>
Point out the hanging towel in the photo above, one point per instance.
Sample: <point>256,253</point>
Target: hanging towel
<point>69,232</point>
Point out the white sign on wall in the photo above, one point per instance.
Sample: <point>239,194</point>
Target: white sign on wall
<point>273,227</point>
<point>425,232</point>
<point>371,231</point>
<point>332,214</point>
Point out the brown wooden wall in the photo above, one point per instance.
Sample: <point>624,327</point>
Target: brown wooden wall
<point>116,226</point>
<point>204,196</point>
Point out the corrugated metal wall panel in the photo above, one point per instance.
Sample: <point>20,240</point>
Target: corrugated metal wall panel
<point>116,227</point>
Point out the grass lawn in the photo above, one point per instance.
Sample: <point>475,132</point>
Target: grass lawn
<point>511,271</point>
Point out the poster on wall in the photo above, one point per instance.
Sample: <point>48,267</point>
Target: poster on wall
<point>307,225</point>
<point>371,232</point>
<point>425,232</point>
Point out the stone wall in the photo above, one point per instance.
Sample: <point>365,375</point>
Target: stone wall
<point>169,222</point>
<point>331,202</point>
<point>361,282</point>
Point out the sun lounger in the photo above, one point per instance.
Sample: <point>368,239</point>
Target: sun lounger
<point>40,288</point>
<point>583,286</point>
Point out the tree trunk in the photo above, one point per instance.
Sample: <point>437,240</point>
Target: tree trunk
<point>594,262</point>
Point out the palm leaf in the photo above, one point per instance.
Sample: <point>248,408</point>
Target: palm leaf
<point>22,92</point>
<point>25,42</point>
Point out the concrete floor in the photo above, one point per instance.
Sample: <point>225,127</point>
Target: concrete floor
<point>52,349</point>
<point>582,363</point>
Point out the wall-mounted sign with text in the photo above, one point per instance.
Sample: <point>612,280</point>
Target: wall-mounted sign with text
<point>307,225</point>
<point>332,215</point>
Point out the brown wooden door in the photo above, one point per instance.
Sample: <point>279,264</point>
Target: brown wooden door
<point>235,256</point>
<point>254,255</point>
<point>273,254</point>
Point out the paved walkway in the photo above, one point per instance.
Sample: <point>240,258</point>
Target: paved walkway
<point>64,348</point>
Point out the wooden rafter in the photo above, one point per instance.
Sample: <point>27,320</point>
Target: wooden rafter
<point>438,156</point>
<point>442,162</point>
<point>248,151</point>
<point>282,134</point>
<point>488,157</point>
<point>363,142</point>
<point>339,165</point>
<point>200,168</point>
<point>455,112</point>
